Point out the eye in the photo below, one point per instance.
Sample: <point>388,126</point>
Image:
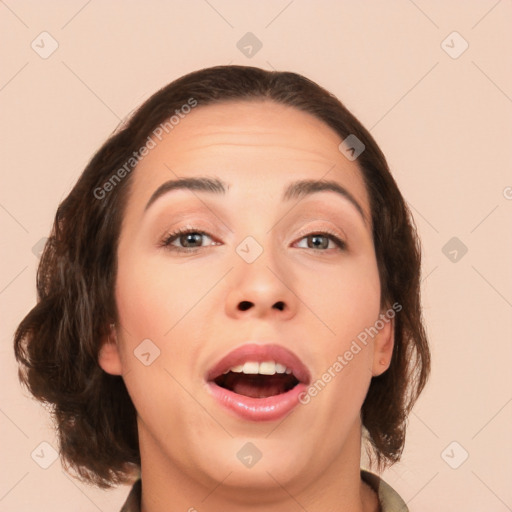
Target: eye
<point>189,238</point>
<point>320,240</point>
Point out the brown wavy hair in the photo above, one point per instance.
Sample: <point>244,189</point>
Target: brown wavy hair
<point>57,343</point>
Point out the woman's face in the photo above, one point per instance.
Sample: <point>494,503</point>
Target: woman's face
<point>253,288</point>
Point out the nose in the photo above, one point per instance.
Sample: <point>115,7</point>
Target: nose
<point>262,289</point>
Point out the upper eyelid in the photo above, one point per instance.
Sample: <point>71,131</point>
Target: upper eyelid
<point>197,225</point>
<point>207,231</point>
<point>305,216</point>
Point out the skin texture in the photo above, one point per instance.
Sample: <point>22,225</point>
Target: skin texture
<point>187,304</point>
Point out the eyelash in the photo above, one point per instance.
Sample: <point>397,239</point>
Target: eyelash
<point>169,238</point>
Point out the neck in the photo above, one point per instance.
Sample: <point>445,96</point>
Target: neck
<point>168,486</point>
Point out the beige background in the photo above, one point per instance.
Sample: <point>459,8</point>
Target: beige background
<point>443,122</point>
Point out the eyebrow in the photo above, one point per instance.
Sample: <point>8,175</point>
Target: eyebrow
<point>295,190</point>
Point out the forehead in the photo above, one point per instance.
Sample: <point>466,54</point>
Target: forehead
<point>257,146</point>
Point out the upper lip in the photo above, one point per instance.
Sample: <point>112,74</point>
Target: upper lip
<point>257,352</point>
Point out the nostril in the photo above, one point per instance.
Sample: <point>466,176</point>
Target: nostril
<point>244,305</point>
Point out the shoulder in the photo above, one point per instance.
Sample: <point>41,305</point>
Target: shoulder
<point>389,499</point>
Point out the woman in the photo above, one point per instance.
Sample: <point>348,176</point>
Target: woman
<point>229,304</point>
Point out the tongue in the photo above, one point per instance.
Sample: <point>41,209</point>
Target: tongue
<point>256,386</point>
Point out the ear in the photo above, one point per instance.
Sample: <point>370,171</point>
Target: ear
<point>109,358</point>
<point>383,344</point>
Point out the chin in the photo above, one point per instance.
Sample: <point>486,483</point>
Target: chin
<point>255,464</point>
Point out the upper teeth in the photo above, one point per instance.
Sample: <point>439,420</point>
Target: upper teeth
<point>263,368</point>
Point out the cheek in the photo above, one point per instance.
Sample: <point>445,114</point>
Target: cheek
<point>156,302</point>
<point>154,296</point>
<point>164,302</point>
<point>344,297</point>
<point>347,301</point>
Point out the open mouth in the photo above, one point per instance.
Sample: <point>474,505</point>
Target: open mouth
<point>258,380</point>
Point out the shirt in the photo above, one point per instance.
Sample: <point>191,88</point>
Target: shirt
<point>389,499</point>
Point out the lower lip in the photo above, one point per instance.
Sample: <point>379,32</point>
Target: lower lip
<point>258,409</point>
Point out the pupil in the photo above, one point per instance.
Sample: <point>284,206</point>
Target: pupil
<point>316,237</point>
<point>189,237</point>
